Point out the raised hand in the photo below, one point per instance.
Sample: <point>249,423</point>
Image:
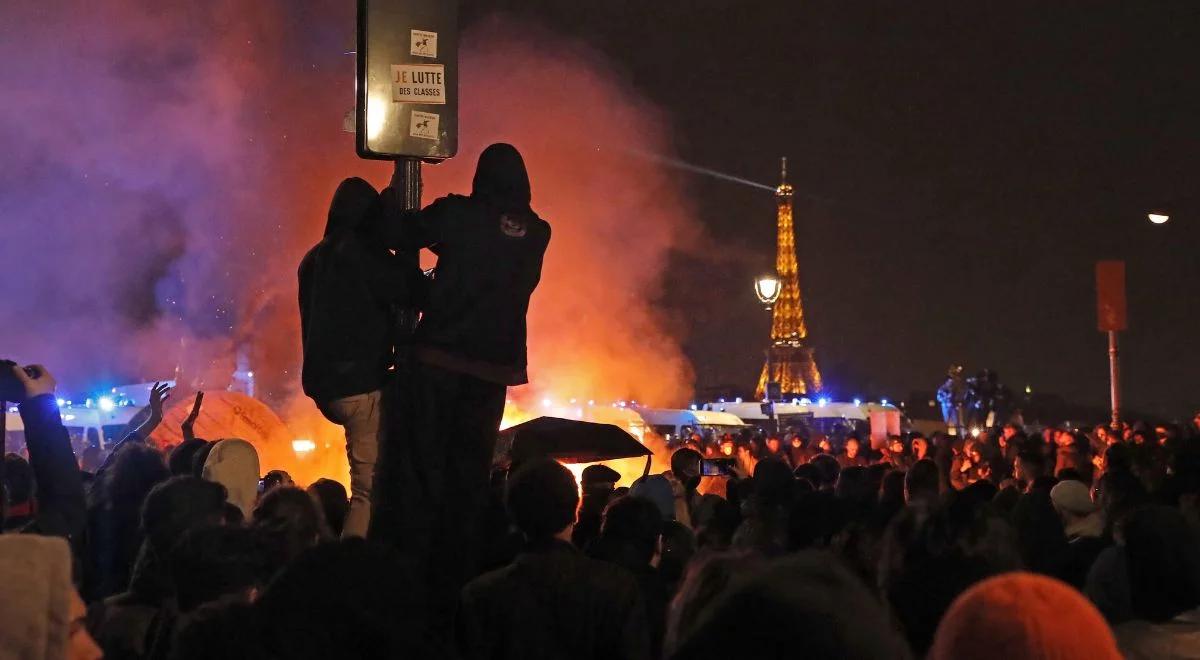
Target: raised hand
<point>158,395</point>
<point>36,379</point>
<point>190,421</point>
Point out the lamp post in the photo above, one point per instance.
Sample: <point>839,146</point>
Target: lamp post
<point>767,288</point>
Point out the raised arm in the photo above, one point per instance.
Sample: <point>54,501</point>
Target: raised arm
<point>61,506</point>
<point>158,396</point>
<point>190,421</point>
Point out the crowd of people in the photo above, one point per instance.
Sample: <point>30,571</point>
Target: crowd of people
<point>1056,544</point>
<point>1006,544</point>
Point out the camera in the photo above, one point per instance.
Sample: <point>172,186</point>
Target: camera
<point>12,389</point>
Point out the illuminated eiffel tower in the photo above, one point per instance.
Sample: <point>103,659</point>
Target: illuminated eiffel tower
<point>790,359</point>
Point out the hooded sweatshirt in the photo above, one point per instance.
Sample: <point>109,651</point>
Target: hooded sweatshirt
<point>350,287</point>
<point>490,248</point>
<point>234,464</point>
<point>35,588</point>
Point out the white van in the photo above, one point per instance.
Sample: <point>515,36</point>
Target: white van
<point>87,426</point>
<point>672,424</point>
<point>836,419</point>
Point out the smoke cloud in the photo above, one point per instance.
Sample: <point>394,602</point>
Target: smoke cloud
<point>166,167</point>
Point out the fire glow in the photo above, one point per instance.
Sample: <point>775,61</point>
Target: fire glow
<point>209,147</point>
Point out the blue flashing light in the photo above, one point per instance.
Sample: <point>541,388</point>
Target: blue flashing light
<point>60,402</point>
<point>106,404</point>
<point>883,401</point>
<point>695,407</point>
<point>737,400</point>
<point>858,402</point>
<point>822,401</point>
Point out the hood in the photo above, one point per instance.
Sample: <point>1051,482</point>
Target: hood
<point>35,588</point>
<point>354,202</point>
<point>501,179</point>
<point>234,464</point>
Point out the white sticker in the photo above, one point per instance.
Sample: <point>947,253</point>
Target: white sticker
<point>419,83</point>
<point>424,44</point>
<point>423,125</point>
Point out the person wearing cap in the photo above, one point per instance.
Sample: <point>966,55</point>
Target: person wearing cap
<point>599,477</point>
<point>1073,502</point>
<point>597,484</point>
<point>1083,525</point>
<point>1023,615</point>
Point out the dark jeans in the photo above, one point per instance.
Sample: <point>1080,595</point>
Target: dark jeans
<point>433,477</point>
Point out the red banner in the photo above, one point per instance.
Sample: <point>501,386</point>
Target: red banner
<point>1110,296</point>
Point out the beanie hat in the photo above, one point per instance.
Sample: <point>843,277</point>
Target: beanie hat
<point>658,490</point>
<point>234,464</point>
<point>1023,615</point>
<point>1073,497</point>
<point>35,589</point>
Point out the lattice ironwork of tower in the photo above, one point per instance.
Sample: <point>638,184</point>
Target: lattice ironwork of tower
<point>790,360</point>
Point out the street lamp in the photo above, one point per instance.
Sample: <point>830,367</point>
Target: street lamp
<point>767,288</point>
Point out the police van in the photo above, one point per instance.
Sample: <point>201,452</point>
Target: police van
<point>97,422</point>
<point>834,419</point>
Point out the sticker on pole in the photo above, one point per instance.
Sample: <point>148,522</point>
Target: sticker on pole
<point>419,83</point>
<point>423,125</point>
<point>422,43</point>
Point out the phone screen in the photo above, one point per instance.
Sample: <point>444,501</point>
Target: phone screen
<point>716,467</point>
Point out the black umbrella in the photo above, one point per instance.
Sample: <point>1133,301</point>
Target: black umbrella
<point>571,441</point>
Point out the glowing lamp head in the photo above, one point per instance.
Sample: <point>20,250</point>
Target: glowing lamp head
<point>106,404</point>
<point>303,446</point>
<point>61,402</point>
<point>767,288</point>
<point>1158,218</point>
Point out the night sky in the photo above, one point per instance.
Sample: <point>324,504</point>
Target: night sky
<point>959,168</point>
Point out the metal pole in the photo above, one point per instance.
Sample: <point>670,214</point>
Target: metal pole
<point>1114,377</point>
<point>406,180</point>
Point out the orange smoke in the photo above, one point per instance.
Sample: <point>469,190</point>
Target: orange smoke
<point>595,332</point>
<point>163,219</point>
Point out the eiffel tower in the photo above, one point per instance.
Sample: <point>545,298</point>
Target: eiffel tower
<point>790,359</point>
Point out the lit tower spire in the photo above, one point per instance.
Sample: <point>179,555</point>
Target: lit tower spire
<point>790,359</point>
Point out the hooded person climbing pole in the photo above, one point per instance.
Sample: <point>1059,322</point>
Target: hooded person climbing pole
<point>351,291</point>
<point>469,346</point>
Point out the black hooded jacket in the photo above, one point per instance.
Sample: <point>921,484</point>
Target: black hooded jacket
<point>489,247</point>
<point>350,286</point>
